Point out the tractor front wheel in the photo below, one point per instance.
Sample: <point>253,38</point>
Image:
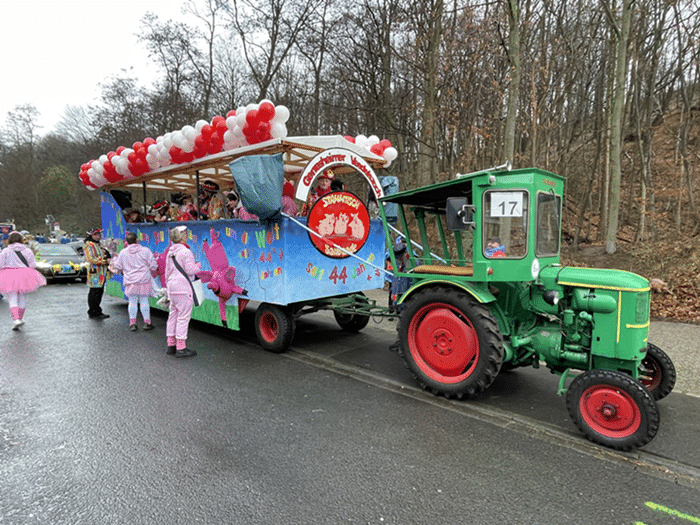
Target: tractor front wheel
<point>450,342</point>
<point>274,327</point>
<point>612,409</point>
<point>657,373</point>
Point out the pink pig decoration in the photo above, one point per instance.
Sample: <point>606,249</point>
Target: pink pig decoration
<point>222,277</point>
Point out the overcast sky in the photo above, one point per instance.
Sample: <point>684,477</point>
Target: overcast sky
<point>54,53</point>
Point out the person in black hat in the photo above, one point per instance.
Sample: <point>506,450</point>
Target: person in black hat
<point>97,274</point>
<point>211,204</point>
<point>161,209</point>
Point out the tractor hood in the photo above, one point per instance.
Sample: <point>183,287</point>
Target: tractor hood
<point>599,278</point>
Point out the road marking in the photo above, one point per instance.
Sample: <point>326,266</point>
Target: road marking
<point>672,512</point>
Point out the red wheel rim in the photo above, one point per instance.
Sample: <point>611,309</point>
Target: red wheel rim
<point>443,343</point>
<point>269,329</point>
<point>650,373</point>
<point>610,411</point>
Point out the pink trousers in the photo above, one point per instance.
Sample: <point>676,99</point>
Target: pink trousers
<point>179,317</point>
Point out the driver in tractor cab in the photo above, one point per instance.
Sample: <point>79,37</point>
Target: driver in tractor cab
<point>494,248</point>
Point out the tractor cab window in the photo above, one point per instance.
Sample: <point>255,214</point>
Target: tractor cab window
<point>505,224</point>
<point>548,224</point>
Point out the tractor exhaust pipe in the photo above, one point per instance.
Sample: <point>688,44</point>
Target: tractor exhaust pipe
<point>506,166</point>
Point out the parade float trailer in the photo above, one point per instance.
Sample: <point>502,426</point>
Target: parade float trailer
<point>290,265</point>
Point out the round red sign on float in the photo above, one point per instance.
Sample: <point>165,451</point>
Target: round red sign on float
<point>341,220</point>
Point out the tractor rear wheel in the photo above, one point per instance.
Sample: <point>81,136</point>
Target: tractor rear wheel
<point>274,327</point>
<point>450,342</point>
<point>657,373</point>
<point>612,409</point>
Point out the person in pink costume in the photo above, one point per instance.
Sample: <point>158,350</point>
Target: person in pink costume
<point>288,205</point>
<point>18,276</point>
<point>179,292</point>
<point>136,263</point>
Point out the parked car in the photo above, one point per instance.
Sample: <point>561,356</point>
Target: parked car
<point>60,261</point>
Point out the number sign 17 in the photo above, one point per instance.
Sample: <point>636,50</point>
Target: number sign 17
<point>507,204</point>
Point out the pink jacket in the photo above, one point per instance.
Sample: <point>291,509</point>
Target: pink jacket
<point>9,259</point>
<point>174,280</point>
<point>136,262</point>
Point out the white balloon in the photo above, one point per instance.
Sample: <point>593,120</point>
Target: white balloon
<point>153,149</point>
<point>281,114</point>
<point>200,124</point>
<point>168,141</point>
<point>390,154</point>
<point>152,161</point>
<point>250,107</point>
<point>228,136</point>
<point>100,169</point>
<point>189,132</point>
<point>278,130</point>
<point>238,131</point>
<point>361,141</point>
<point>372,140</point>
<point>103,159</point>
<point>231,122</point>
<point>179,139</point>
<point>240,118</point>
<point>91,173</point>
<point>188,146</point>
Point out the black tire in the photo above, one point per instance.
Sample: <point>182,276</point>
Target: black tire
<point>657,373</point>
<point>612,409</point>
<point>274,327</point>
<point>352,322</point>
<point>450,342</point>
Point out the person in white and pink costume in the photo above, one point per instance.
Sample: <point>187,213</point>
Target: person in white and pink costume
<point>18,276</point>
<point>179,292</point>
<point>136,263</point>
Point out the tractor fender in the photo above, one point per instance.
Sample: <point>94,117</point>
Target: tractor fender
<point>479,293</point>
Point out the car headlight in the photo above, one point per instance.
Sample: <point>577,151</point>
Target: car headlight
<point>43,265</point>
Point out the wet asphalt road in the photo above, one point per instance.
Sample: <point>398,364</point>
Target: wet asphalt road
<point>98,425</point>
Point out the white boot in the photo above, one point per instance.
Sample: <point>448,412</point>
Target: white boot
<point>18,323</point>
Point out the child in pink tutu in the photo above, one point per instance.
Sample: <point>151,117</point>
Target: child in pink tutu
<point>18,276</point>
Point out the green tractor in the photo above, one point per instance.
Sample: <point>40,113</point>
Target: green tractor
<point>487,293</point>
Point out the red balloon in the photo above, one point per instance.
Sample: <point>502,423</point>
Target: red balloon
<point>120,149</point>
<point>200,142</point>
<point>206,132</point>
<point>252,118</point>
<point>231,113</point>
<point>377,149</point>
<point>214,147</point>
<point>350,139</point>
<point>132,157</point>
<point>215,121</point>
<point>111,154</point>
<point>221,128</point>
<point>149,141</point>
<point>266,112</point>
<point>248,131</point>
<point>199,152</point>
<point>386,143</point>
<point>137,146</point>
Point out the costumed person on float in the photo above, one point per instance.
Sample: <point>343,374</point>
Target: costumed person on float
<point>18,276</point>
<point>210,203</point>
<point>322,188</point>
<point>289,206</point>
<point>161,209</point>
<point>98,259</point>
<point>137,263</point>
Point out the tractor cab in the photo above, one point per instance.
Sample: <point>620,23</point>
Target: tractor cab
<point>488,226</point>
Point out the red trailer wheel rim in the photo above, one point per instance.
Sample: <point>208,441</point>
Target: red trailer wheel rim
<point>610,411</point>
<point>269,328</point>
<point>443,343</point>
